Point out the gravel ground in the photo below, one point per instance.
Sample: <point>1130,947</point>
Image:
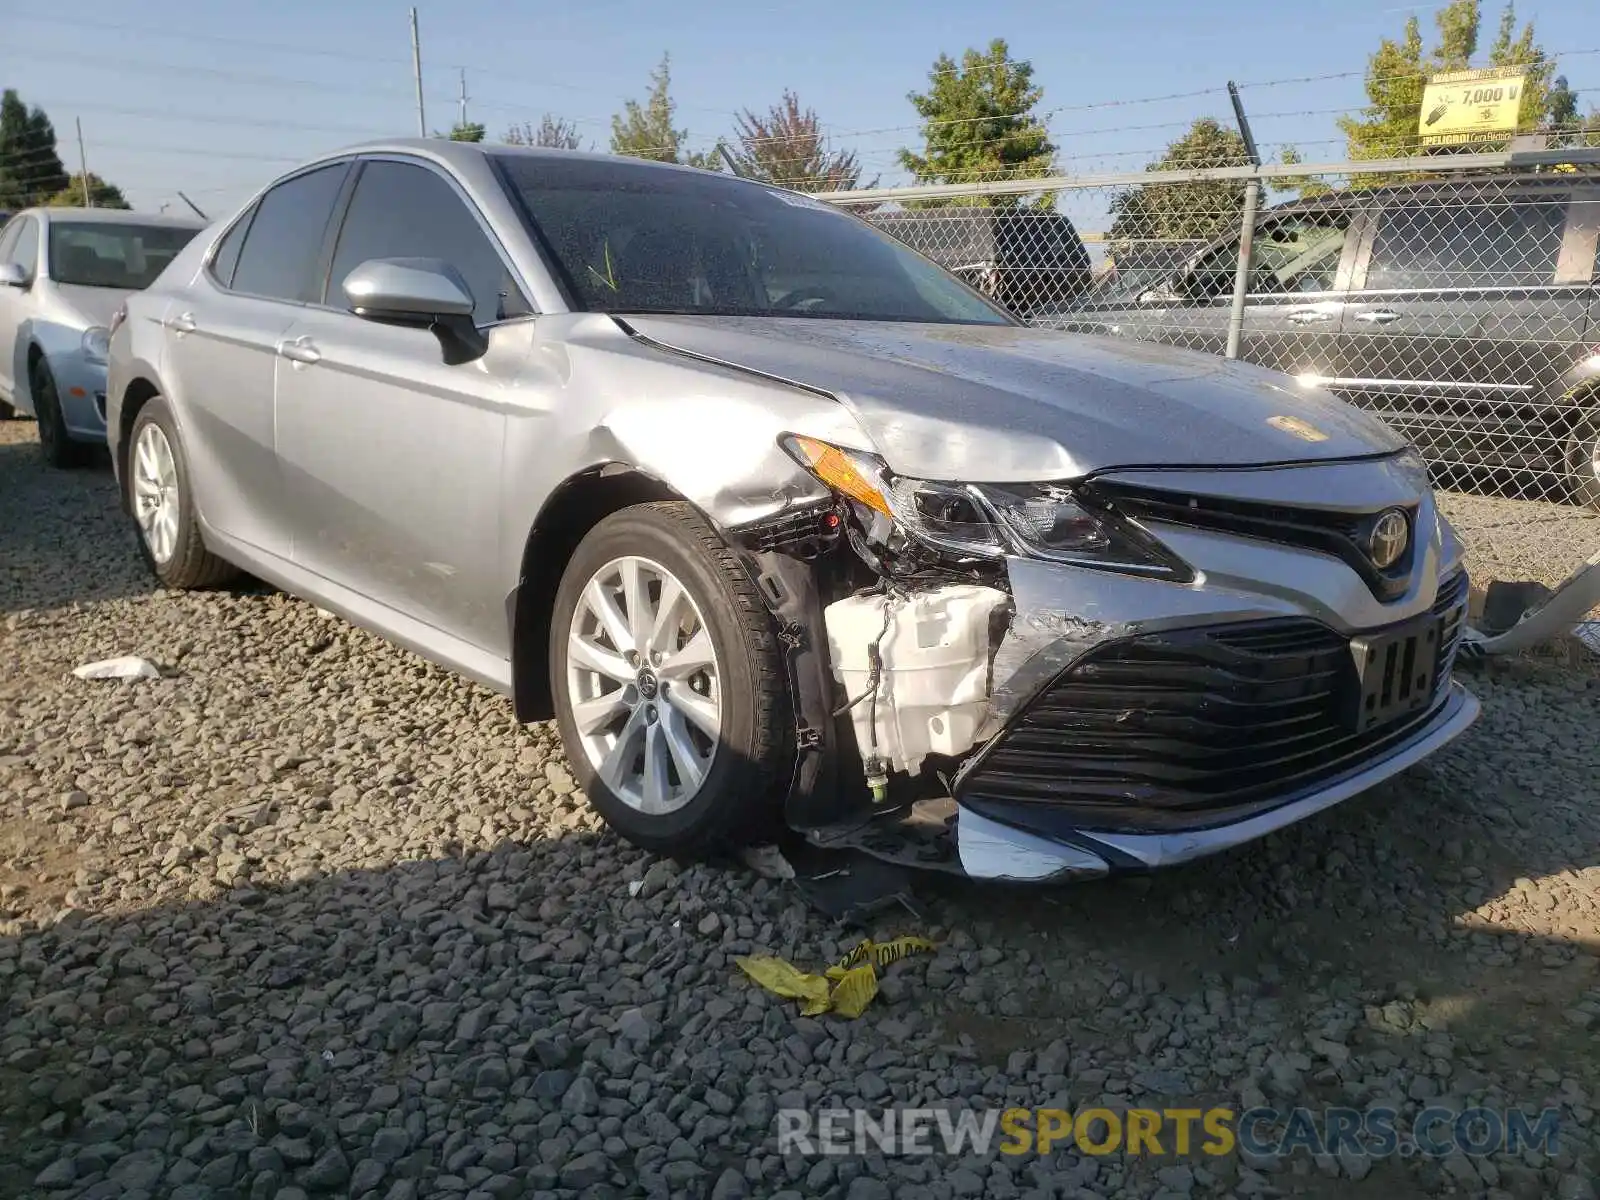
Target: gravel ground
<point>1522,539</point>
<point>310,916</point>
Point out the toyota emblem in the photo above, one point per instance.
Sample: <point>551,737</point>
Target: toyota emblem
<point>1387,541</point>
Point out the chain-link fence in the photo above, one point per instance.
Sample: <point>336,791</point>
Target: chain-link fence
<point>1461,304</point>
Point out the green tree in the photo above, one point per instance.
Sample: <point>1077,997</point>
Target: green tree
<point>978,124</point>
<point>468,131</point>
<point>1200,209</point>
<point>786,146</point>
<point>555,133</point>
<point>1190,211</point>
<point>101,194</point>
<point>1398,71</point>
<point>30,168</point>
<point>646,130</point>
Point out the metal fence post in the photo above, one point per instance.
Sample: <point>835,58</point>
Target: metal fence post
<point>1247,224</point>
<point>1241,274</point>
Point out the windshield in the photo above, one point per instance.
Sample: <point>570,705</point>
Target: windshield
<point>637,239</point>
<point>100,254</point>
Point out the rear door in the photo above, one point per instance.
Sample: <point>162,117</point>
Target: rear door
<point>1462,305</point>
<point>222,354</point>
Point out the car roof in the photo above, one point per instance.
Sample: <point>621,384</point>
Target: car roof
<point>114,216</point>
<point>1518,183</point>
<point>447,151</point>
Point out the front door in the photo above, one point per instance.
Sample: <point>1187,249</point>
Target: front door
<point>391,457</point>
<point>20,246</point>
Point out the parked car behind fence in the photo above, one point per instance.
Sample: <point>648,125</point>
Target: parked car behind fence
<point>1022,259</point>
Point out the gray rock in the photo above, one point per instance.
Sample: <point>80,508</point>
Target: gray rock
<point>331,1170</point>
<point>586,1170</point>
<point>581,1097</point>
<point>58,1174</point>
<point>138,1171</point>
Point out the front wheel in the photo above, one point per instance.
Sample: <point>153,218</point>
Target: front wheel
<point>669,683</point>
<point>55,443</point>
<point>162,503</point>
<point>1583,460</point>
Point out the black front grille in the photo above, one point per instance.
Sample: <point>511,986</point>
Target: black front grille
<point>1343,535</point>
<point>1191,728</point>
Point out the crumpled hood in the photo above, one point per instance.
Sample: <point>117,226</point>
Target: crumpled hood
<point>1005,404</point>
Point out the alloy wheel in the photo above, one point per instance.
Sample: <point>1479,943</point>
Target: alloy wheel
<point>155,492</point>
<point>644,685</point>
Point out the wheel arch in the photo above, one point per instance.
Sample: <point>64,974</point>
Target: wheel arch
<point>138,392</point>
<point>580,503</point>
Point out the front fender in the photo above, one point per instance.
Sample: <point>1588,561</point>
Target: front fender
<point>1579,385</point>
<point>55,339</point>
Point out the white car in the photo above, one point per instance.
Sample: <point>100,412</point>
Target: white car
<point>63,272</point>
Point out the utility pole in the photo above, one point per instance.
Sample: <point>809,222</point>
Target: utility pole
<point>83,164</point>
<point>416,71</point>
<point>1247,226</point>
<point>463,121</point>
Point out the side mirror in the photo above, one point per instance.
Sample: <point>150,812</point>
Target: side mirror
<point>418,291</point>
<point>13,275</point>
<point>407,289</point>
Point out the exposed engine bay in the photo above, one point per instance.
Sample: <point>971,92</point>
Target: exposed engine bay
<point>905,656</point>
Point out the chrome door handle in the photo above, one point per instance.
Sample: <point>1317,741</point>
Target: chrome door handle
<point>1378,316</point>
<point>301,351</point>
<point>1309,316</point>
<point>182,323</point>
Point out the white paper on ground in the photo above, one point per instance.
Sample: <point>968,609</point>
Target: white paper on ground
<point>126,667</point>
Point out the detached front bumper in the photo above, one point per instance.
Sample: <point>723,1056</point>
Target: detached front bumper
<point>1137,724</point>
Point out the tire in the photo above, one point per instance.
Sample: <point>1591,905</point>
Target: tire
<point>55,443</point>
<point>1583,460</point>
<point>737,797</point>
<point>177,555</point>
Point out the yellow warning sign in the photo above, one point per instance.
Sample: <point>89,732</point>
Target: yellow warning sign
<point>1461,107</point>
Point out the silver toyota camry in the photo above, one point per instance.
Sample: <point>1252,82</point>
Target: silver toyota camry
<point>63,271</point>
<point>783,525</point>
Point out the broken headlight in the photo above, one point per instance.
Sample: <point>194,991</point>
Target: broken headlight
<point>983,520</point>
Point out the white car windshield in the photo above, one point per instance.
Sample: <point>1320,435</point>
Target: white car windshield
<point>103,254</point>
<point>638,239</point>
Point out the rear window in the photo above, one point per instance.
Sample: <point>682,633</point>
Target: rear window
<point>101,254</point>
<point>1467,245</point>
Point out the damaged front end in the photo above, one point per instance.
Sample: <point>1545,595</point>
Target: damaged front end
<point>1025,682</point>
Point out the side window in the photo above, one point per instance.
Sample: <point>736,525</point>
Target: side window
<point>284,242</point>
<point>405,211</point>
<point>1300,254</point>
<point>8,237</point>
<point>226,259</point>
<point>1467,245</point>
<point>25,249</point>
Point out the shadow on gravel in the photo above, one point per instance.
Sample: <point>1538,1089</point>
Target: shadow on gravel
<point>59,529</point>
<point>433,1018</point>
<point>277,1024</point>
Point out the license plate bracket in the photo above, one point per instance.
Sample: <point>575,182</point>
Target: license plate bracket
<point>1394,671</point>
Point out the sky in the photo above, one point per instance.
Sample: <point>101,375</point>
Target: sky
<point>214,101</point>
